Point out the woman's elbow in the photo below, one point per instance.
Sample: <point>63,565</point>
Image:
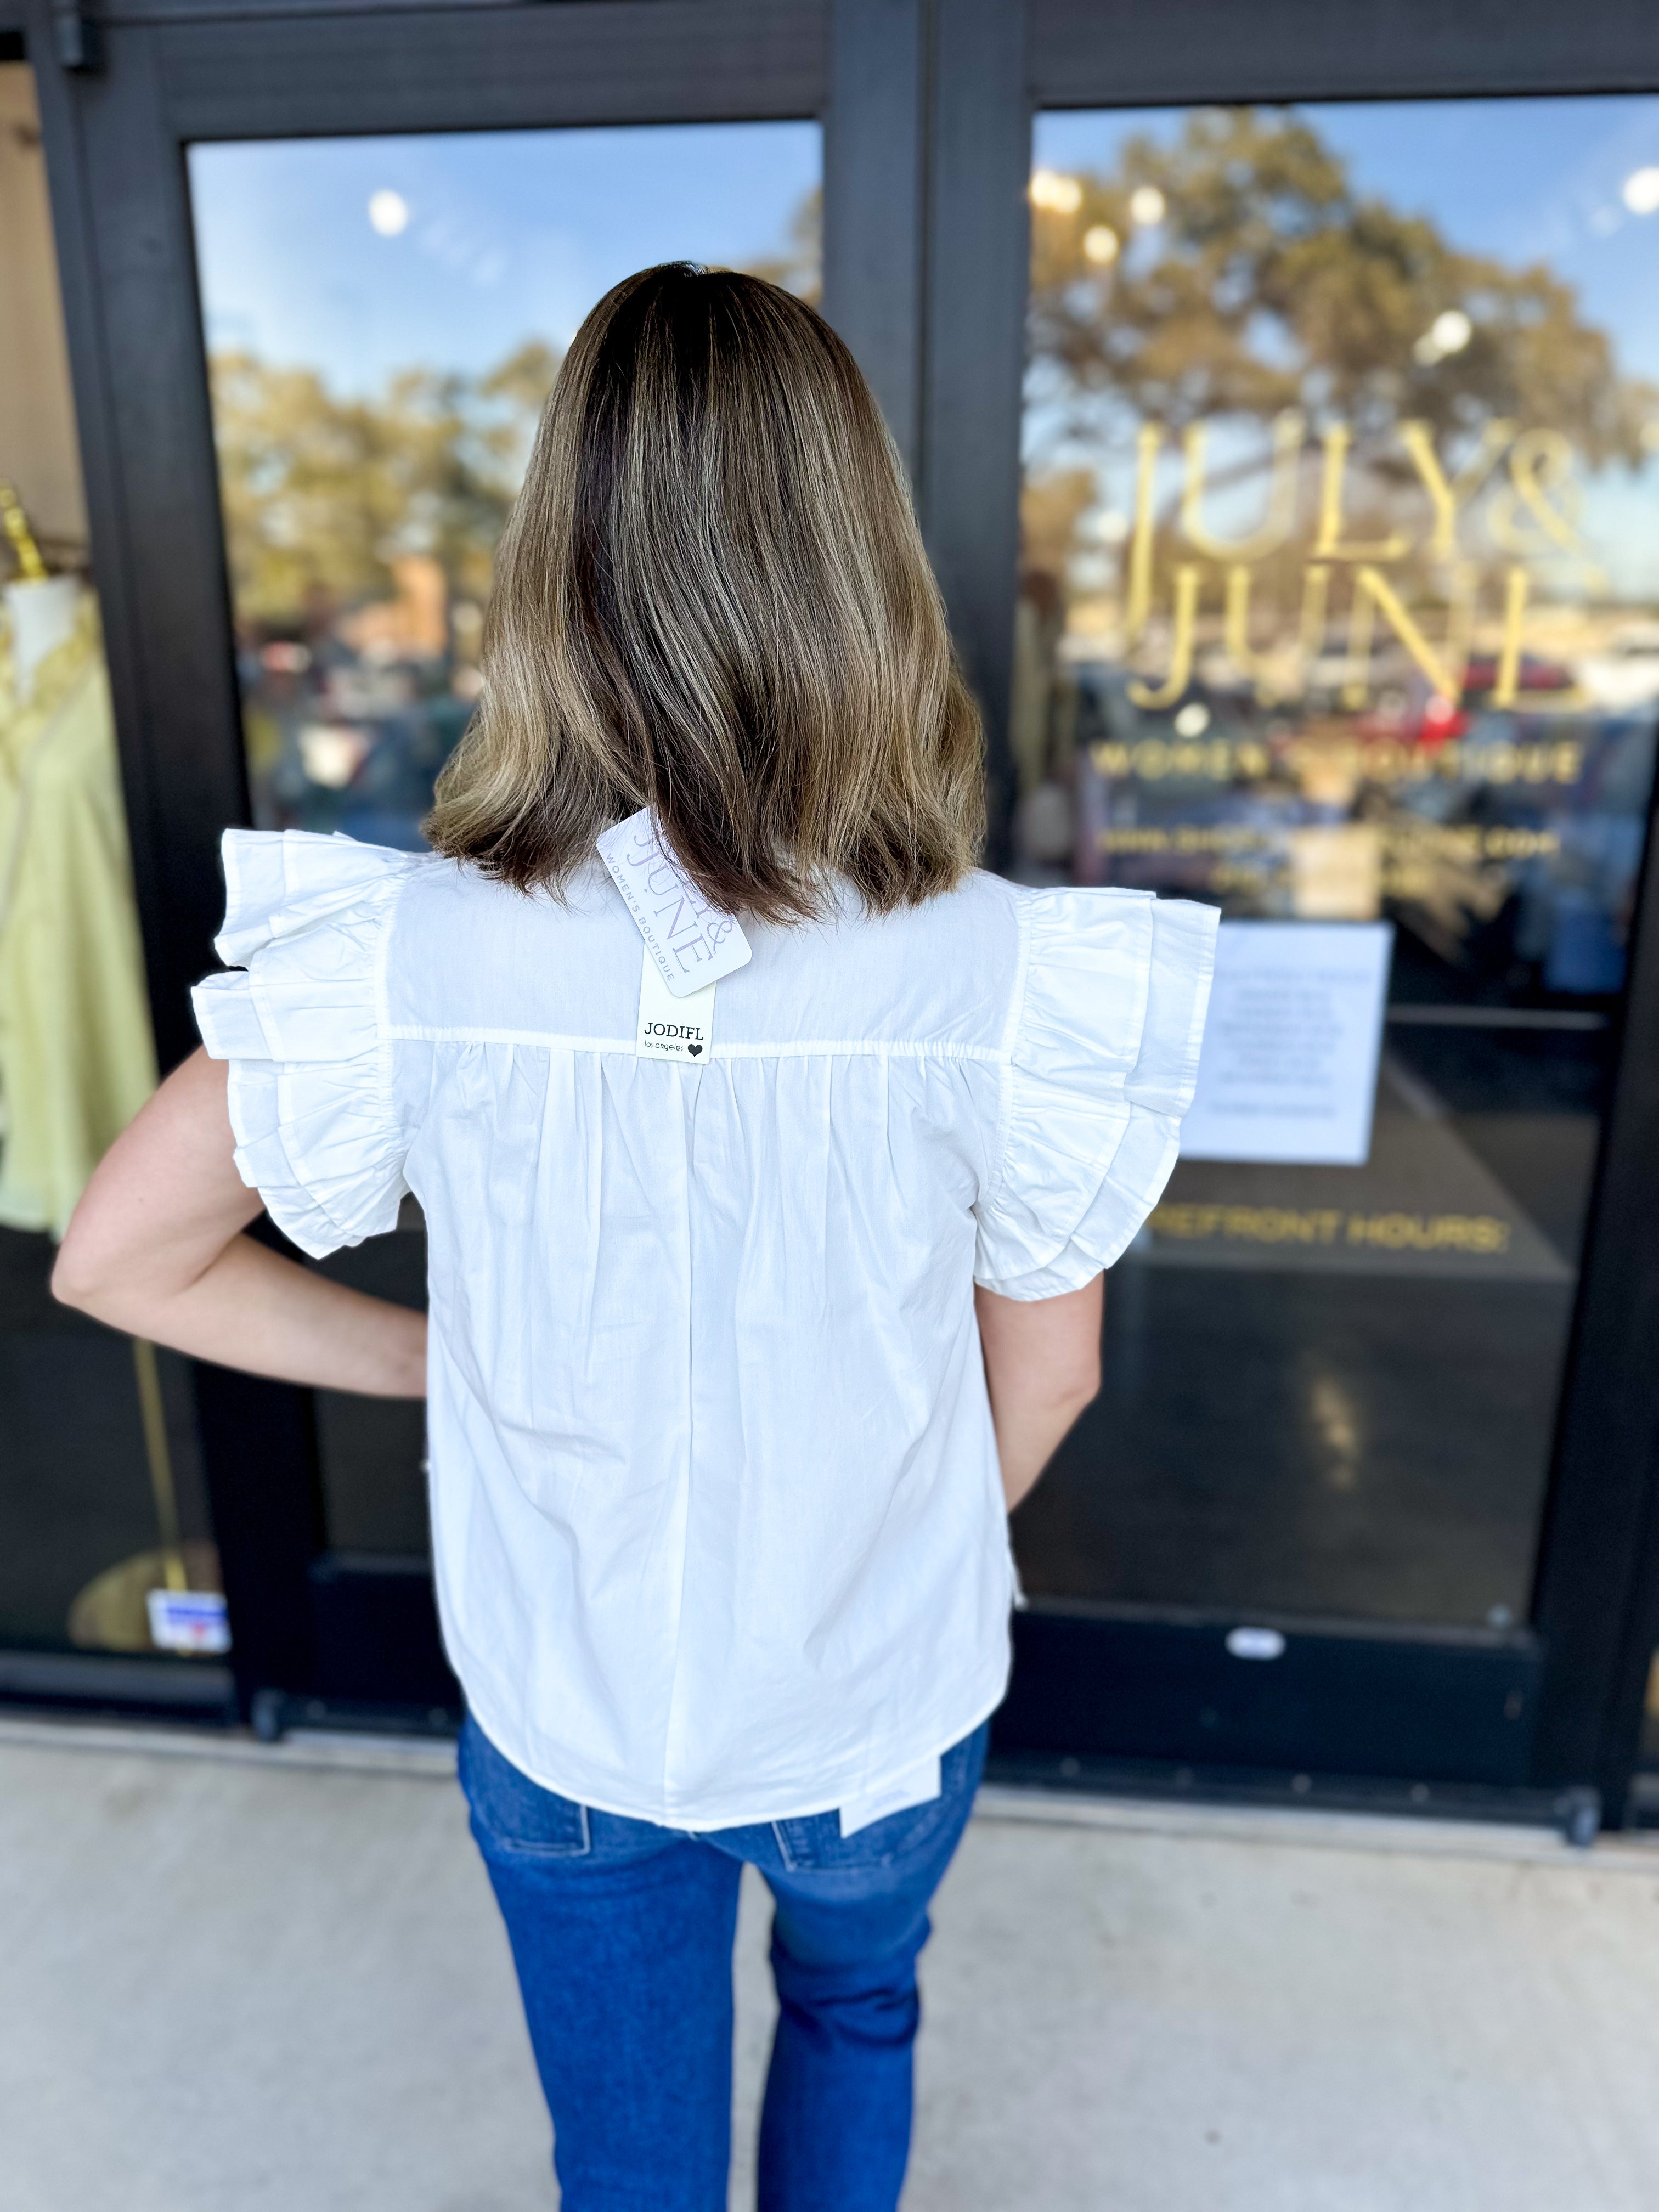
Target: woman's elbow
<point>1075,1368</point>
<point>93,1275</point>
<point>1082,1385</point>
<point>78,1280</point>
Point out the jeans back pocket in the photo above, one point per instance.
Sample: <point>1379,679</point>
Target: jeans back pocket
<point>511,1815</point>
<point>819,1843</point>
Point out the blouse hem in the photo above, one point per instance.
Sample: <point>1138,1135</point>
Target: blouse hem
<point>660,1816</point>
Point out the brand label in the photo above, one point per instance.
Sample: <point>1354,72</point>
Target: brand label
<point>670,1028</point>
<point>691,943</point>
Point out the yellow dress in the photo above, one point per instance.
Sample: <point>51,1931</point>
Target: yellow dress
<point>77,1056</point>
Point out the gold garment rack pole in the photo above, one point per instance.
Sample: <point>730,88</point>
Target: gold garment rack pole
<point>153,1413</point>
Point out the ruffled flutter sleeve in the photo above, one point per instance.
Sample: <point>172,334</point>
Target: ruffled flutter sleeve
<point>306,928</point>
<point>1104,1058</point>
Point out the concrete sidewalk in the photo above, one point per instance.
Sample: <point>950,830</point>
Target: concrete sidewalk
<point>238,1979</point>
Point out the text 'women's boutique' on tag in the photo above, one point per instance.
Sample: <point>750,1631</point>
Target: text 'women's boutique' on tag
<point>692,942</point>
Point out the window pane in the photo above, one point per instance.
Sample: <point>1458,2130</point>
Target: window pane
<point>385,316</point>
<point>100,1501</point>
<point>1340,608</point>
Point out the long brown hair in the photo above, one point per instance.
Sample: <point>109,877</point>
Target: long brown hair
<point>712,599</point>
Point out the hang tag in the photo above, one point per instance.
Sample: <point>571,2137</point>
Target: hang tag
<point>670,1028</point>
<point>691,943</point>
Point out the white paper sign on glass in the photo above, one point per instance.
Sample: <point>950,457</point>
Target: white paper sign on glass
<point>188,1620</point>
<point>692,942</point>
<point>1291,1048</point>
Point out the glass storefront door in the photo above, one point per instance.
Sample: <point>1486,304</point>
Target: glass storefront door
<point>1339,609</point>
<point>363,242</point>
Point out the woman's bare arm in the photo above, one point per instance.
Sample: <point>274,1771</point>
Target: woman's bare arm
<point>1042,1367</point>
<point>155,1248</point>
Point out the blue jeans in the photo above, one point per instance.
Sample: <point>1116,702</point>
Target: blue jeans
<point>622,1935</point>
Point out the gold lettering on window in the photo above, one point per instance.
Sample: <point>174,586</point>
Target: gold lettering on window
<point>1338,438</point>
<point>1281,495</point>
<point>1180,645</point>
<point>1448,499</point>
<point>1373,590</point>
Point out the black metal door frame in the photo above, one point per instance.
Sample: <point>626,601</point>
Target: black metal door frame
<point>1555,1705</point>
<point>927,107</point>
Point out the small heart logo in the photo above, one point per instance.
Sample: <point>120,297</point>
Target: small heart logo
<point>694,1049</point>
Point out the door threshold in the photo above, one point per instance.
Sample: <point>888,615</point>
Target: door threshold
<point>1296,1825</point>
<point>348,1751</point>
<point>1574,1813</point>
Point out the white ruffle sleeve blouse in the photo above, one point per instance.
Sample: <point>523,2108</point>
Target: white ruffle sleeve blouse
<point>717,1522</point>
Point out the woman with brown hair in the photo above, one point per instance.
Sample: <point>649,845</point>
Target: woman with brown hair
<point>770,1156</point>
